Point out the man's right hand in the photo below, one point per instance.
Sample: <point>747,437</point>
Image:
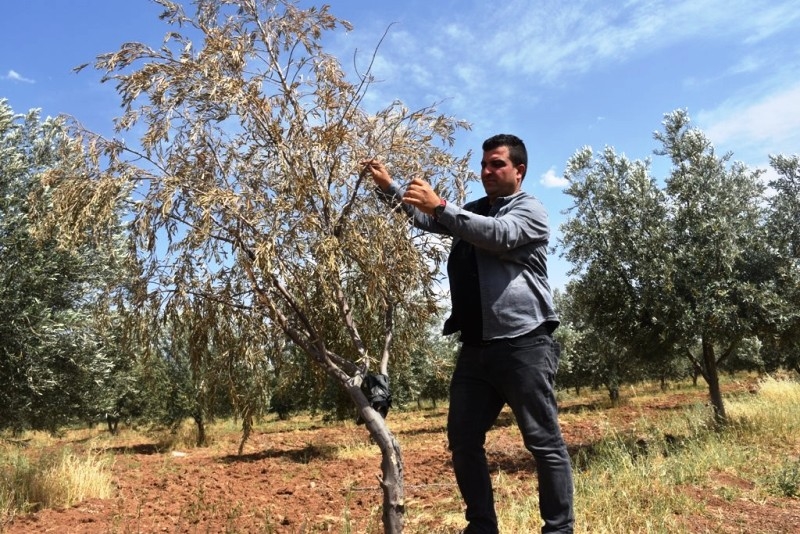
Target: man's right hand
<point>378,171</point>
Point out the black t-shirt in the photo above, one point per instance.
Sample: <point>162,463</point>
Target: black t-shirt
<point>462,270</point>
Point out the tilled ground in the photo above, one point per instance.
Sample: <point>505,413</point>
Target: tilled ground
<point>325,479</point>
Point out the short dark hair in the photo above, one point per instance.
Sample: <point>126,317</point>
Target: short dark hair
<point>517,152</point>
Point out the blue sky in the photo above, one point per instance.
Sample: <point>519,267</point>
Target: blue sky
<point>559,74</point>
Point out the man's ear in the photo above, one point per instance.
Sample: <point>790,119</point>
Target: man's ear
<point>521,170</point>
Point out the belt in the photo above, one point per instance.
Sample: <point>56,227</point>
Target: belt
<point>540,330</point>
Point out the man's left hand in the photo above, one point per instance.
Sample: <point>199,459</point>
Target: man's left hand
<point>421,195</point>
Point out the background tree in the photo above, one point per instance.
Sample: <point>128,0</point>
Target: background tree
<point>672,271</point>
<point>54,358</point>
<point>425,376</point>
<point>615,229</point>
<point>248,191</point>
<point>589,358</point>
<point>208,362</point>
<point>722,293</point>
<point>121,394</point>
<point>782,342</point>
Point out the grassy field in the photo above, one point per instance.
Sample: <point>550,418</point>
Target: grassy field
<point>651,463</point>
<point>658,475</point>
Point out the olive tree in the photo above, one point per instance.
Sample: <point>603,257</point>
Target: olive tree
<point>55,354</point>
<point>247,189</point>
<point>783,226</point>
<point>615,228</point>
<point>677,270</point>
<point>721,293</point>
<point>589,356</point>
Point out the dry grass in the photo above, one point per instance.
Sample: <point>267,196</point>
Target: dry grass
<point>40,478</point>
<point>636,480</point>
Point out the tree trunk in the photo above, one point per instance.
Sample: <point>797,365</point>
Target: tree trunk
<point>247,427</point>
<point>711,375</point>
<point>391,461</point>
<point>392,479</point>
<point>201,429</point>
<point>612,384</point>
<point>113,421</point>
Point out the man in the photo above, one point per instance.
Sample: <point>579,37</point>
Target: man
<point>503,309</point>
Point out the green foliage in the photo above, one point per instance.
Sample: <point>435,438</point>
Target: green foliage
<point>428,376</point>
<point>689,270</point>
<point>422,375</point>
<point>782,337</point>
<point>296,384</point>
<point>53,356</point>
<point>785,481</point>
<point>595,358</point>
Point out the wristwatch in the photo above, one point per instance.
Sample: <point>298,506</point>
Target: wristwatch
<point>438,210</point>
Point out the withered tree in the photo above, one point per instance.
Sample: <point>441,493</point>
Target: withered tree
<point>245,189</point>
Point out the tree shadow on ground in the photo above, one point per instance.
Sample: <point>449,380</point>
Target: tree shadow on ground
<point>639,448</point>
<point>585,455</point>
<point>422,431</point>
<point>303,455</point>
<point>581,407</point>
<point>142,448</point>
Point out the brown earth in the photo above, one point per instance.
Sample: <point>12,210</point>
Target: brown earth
<point>318,477</point>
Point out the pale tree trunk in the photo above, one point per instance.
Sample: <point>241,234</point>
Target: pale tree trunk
<point>391,480</point>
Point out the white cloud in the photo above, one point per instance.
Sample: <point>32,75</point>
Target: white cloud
<point>769,125</point>
<point>17,77</point>
<point>554,40</point>
<point>747,65</point>
<point>464,58</point>
<point>552,180</point>
<point>778,18</point>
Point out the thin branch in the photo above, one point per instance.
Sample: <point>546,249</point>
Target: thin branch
<point>340,223</point>
<point>388,335</point>
<point>347,316</point>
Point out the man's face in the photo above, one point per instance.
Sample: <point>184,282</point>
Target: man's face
<point>499,176</point>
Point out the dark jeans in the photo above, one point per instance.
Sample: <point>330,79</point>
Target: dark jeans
<point>520,372</point>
